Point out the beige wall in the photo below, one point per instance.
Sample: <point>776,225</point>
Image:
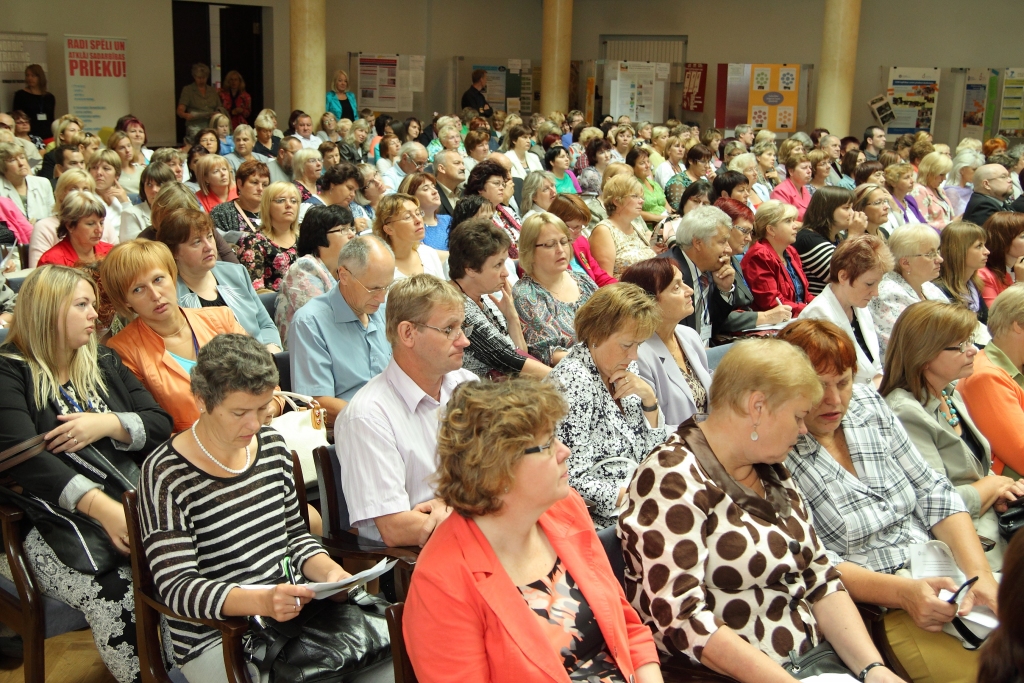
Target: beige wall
<point>920,33</point>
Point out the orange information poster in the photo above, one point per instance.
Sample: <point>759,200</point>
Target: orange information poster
<point>774,96</point>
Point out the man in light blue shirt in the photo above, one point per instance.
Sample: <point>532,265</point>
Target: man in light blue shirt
<point>412,158</point>
<point>337,341</point>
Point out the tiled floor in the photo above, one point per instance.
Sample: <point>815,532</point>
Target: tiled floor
<point>70,658</point>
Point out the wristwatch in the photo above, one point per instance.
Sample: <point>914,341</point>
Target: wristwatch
<point>649,409</point>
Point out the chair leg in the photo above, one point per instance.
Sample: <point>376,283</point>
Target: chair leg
<point>234,660</point>
<point>33,642</point>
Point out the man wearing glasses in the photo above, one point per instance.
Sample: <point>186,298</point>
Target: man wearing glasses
<point>412,157</point>
<point>336,341</point>
<point>993,188</point>
<point>387,435</point>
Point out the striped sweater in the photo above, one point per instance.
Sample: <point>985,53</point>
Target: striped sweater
<point>204,535</point>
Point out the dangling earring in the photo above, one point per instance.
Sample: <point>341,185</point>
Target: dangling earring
<point>753,434</point>
<point>506,489</point>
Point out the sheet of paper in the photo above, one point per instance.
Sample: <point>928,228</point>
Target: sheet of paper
<point>933,558</point>
<point>661,71</point>
<point>326,590</point>
<point>514,65</point>
<point>404,100</point>
<point>979,615</point>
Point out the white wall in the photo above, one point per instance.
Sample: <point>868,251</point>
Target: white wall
<point>943,33</point>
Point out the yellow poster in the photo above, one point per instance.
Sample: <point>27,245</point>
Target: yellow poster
<point>774,96</point>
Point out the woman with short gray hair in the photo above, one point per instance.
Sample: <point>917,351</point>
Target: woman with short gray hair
<point>959,184</point>
<point>198,101</point>
<point>245,143</point>
<point>198,485</point>
<point>538,191</point>
<point>915,252</point>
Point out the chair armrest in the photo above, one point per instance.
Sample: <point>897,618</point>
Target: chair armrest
<point>9,513</point>
<point>870,613</point>
<point>229,626</point>
<point>347,544</point>
<point>679,669</point>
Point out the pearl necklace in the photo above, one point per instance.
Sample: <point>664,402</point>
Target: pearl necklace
<point>219,463</point>
<point>953,418</point>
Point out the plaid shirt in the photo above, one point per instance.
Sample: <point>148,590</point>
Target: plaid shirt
<point>872,519</point>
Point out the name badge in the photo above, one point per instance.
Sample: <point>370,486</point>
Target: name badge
<point>41,117</point>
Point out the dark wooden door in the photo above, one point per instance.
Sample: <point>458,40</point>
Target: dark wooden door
<point>241,49</point>
<point>191,30</point>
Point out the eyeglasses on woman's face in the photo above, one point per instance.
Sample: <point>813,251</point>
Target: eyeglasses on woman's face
<point>410,216</point>
<point>342,230</point>
<point>962,347</point>
<point>564,242</point>
<point>931,255</point>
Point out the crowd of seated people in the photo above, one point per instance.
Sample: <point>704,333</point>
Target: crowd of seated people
<point>541,326</point>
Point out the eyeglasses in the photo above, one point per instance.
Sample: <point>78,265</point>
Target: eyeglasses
<point>343,230</point>
<point>564,242</point>
<point>372,291</point>
<point>497,182</point>
<point>878,202</point>
<point>634,196</point>
<point>407,217</point>
<point>933,254</point>
<point>961,347</point>
<point>452,332</point>
<point>541,449</point>
<point>743,231</point>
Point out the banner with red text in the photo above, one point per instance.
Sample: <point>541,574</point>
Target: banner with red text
<point>97,75</point>
<point>695,83</point>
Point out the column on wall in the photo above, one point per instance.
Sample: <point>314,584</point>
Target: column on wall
<point>838,65</point>
<point>308,24</point>
<point>556,50</point>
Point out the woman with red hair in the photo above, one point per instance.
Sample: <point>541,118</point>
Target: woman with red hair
<point>1004,232</point>
<point>574,212</point>
<point>993,146</point>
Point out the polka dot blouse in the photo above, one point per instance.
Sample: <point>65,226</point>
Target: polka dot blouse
<point>704,551</point>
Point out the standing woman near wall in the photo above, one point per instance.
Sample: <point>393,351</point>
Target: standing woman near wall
<point>198,101</point>
<point>35,101</point>
<point>340,100</point>
<point>235,99</point>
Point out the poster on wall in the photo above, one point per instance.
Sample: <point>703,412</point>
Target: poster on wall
<point>97,75</point>
<point>912,93</point>
<point>1011,113</point>
<point>495,92</point>
<point>633,91</point>
<point>774,96</point>
<point>378,81</point>
<point>979,103</point>
<point>695,83</point>
<point>17,51</point>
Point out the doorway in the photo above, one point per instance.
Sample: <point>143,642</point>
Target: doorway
<point>231,41</point>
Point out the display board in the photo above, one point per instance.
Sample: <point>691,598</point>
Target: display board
<point>637,89</point>
<point>979,106</point>
<point>387,82</point>
<point>96,68</point>
<point>772,99</point>
<point>17,51</point>
<point>912,93</point>
<point>1011,113</point>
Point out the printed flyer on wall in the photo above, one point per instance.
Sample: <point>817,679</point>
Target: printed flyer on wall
<point>378,81</point>
<point>912,93</point>
<point>979,103</point>
<point>774,96</point>
<point>97,79</point>
<point>1011,114</point>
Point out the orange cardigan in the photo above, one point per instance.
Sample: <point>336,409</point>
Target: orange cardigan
<point>143,351</point>
<point>466,621</point>
<point>996,404</point>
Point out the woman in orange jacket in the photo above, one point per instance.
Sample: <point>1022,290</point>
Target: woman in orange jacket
<point>517,586</point>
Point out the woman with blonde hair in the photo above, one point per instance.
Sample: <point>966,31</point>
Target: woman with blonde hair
<point>899,182</point>
<point>621,139</point>
<point>875,203</point>
<point>221,125</point>
<point>80,232</point>
<point>307,165</point>
<point>772,267</point>
<point>329,129</point>
<point>712,139</point>
<point>614,419</point>
<point>553,610</point>
<point>266,142</point>
<point>352,149</point>
<point>56,381</point>
<point>32,196</point>
<point>131,171</point>
<point>399,222</point>
<point>44,234</point>
<point>340,101</point>
<point>235,100</point>
<point>216,186</point>
<point>269,253</point>
<point>928,193</point>
<point>549,294</point>
<point>930,350</point>
<point>789,147</point>
<point>389,146</point>
<point>963,251</point>
<point>621,240</point>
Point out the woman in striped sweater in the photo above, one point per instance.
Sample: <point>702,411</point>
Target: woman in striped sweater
<point>829,213</point>
<point>219,510</point>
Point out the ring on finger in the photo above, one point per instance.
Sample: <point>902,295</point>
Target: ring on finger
<point>298,603</point>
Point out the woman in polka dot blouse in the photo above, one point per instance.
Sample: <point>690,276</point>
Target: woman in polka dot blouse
<point>721,559</point>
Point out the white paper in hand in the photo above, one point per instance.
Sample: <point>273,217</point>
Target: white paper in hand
<point>326,590</point>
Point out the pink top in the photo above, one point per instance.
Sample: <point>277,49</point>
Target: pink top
<point>15,219</point>
<point>787,192</point>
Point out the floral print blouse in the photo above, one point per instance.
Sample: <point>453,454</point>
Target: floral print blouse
<point>307,278</point>
<point>703,551</point>
<point>548,323</point>
<point>894,295</point>
<point>629,249</point>
<point>266,262</point>
<point>934,205</point>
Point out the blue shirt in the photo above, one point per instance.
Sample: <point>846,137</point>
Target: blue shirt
<point>331,353</point>
<point>437,235</point>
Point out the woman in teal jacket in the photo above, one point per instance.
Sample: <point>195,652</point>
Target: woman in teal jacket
<point>340,100</point>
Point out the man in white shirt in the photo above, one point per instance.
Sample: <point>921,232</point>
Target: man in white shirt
<point>831,144</point>
<point>412,157</point>
<point>387,434</point>
<point>304,132</point>
<point>450,171</point>
<point>281,167</point>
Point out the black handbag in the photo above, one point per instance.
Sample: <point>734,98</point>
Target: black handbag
<point>79,541</point>
<point>1012,519</point>
<point>329,642</point>
<point>820,659</point>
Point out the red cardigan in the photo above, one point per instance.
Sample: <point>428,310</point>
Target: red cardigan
<point>581,250</point>
<point>768,279</point>
<point>466,621</point>
<point>63,254</point>
<point>993,285</point>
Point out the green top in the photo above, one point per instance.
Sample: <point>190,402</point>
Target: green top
<point>654,197</point>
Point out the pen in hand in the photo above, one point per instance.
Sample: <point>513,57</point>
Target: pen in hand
<point>966,586</point>
<point>286,564</point>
